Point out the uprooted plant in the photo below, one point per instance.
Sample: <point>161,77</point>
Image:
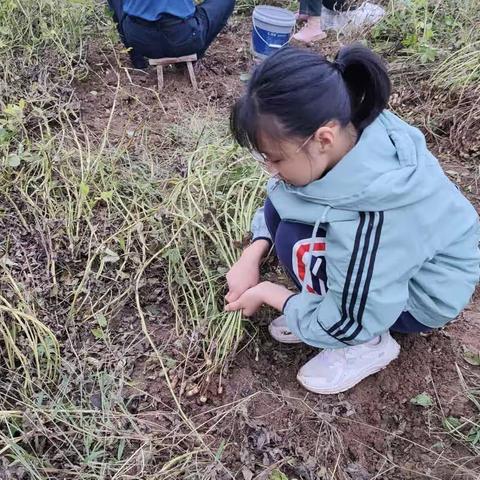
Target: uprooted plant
<point>212,205</point>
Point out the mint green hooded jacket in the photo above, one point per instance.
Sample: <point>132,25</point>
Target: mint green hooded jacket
<point>400,236</point>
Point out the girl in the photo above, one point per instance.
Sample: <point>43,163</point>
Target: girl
<point>360,213</point>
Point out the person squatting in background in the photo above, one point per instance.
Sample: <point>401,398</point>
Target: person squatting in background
<point>360,213</point>
<point>168,28</point>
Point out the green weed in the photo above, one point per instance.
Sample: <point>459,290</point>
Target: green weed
<point>211,207</point>
<point>425,30</point>
<point>467,430</point>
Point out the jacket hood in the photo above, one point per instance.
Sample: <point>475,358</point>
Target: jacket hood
<point>386,169</point>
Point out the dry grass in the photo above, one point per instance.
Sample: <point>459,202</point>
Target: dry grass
<point>91,252</point>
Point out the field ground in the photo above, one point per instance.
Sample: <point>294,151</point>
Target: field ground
<point>86,250</point>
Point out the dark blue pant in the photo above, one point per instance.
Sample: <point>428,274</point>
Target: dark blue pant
<point>171,36</point>
<point>314,7</point>
<point>292,241</point>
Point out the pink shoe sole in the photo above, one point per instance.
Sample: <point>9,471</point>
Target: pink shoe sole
<point>315,38</point>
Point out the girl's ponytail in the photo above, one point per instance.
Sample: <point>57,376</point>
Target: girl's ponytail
<point>367,81</point>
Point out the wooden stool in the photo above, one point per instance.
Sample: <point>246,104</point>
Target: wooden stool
<point>160,62</point>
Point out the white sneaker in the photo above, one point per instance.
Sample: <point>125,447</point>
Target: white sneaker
<point>279,331</point>
<point>336,370</point>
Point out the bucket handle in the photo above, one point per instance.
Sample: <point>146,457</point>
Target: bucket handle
<point>270,45</point>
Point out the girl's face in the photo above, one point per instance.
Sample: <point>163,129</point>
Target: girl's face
<point>292,162</point>
<point>300,163</point>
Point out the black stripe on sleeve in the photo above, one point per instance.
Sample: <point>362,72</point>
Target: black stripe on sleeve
<point>348,278</point>
<point>358,280</point>
<point>368,280</point>
<point>328,333</point>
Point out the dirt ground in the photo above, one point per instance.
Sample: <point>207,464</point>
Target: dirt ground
<point>265,419</point>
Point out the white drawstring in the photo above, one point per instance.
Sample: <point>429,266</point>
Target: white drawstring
<point>308,273</point>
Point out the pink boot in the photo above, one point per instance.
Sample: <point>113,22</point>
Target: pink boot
<point>311,32</point>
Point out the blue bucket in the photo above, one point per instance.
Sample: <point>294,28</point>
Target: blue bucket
<point>272,28</point>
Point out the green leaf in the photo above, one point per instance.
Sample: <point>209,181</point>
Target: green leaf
<point>428,34</point>
<point>451,423</point>
<point>94,456</point>
<point>84,189</point>
<point>474,435</point>
<point>219,452</point>
<point>473,358</point>
<point>14,160</point>
<point>120,449</point>
<point>410,41</point>
<point>277,475</point>
<point>106,196</point>
<point>173,255</point>
<point>98,333</point>
<point>428,54</point>
<point>423,400</point>
<point>4,135</point>
<point>101,320</point>
<point>46,347</point>
<point>438,446</point>
<point>110,256</point>
<point>180,280</point>
<point>121,242</point>
<point>170,362</point>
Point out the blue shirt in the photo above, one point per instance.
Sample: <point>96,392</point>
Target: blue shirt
<point>153,9</point>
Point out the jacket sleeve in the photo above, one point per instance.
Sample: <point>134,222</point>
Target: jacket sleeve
<point>259,226</point>
<point>369,264</point>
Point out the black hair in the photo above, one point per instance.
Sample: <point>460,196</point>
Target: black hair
<point>295,91</point>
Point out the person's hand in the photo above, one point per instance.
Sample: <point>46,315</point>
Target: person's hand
<point>250,301</point>
<point>245,273</point>
<point>265,292</point>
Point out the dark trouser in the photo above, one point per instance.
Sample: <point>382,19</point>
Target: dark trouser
<point>292,240</point>
<point>171,36</point>
<point>314,7</point>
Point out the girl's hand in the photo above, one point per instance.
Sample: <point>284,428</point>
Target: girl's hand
<point>265,292</point>
<point>250,301</point>
<point>245,273</point>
